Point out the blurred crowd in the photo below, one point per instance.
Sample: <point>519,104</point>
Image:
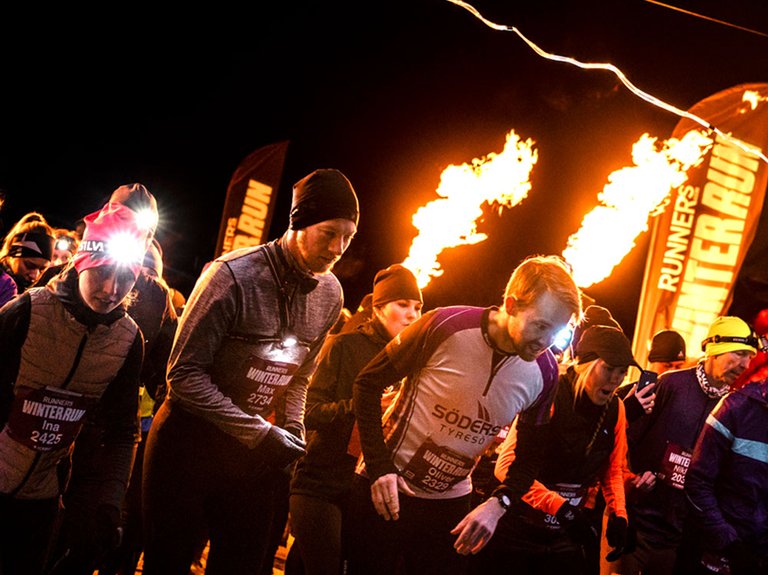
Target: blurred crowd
<point>143,426</point>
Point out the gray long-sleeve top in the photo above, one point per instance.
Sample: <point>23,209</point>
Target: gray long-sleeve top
<point>227,365</point>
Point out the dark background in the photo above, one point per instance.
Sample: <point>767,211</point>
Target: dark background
<point>391,93</point>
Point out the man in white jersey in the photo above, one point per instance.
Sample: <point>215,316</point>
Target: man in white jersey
<point>468,372</point>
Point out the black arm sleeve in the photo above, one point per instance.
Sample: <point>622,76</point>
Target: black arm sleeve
<point>366,403</point>
<point>14,325</point>
<point>156,359</point>
<point>530,453</point>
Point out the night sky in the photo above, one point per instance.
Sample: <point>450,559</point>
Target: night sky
<point>390,93</point>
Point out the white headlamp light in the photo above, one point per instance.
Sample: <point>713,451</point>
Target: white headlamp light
<point>63,244</point>
<point>146,219</point>
<point>125,249</point>
<point>563,338</point>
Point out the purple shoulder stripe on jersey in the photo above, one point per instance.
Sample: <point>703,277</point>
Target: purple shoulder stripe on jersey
<point>446,321</point>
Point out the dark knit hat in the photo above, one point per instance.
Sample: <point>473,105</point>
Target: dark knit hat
<point>138,198</point>
<point>393,283</point>
<point>33,244</point>
<point>153,258</point>
<point>324,194</point>
<point>608,343</point>
<point>593,315</point>
<point>667,346</point>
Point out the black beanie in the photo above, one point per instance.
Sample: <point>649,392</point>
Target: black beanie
<point>667,346</point>
<point>593,315</point>
<point>138,198</point>
<point>323,195</point>
<point>608,343</point>
<point>153,258</point>
<point>395,282</point>
<point>33,244</point>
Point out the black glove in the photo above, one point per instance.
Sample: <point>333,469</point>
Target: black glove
<point>109,526</point>
<point>742,559</point>
<point>280,448</point>
<point>86,536</point>
<point>616,535</point>
<point>345,407</point>
<point>577,523</point>
<point>295,430</point>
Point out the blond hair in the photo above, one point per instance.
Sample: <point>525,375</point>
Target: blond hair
<point>537,275</point>
<point>582,373</point>
<point>583,370</point>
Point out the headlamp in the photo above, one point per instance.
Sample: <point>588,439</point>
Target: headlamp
<point>288,340</point>
<point>563,338</point>
<point>125,249</point>
<point>749,340</point>
<point>63,244</point>
<point>146,219</point>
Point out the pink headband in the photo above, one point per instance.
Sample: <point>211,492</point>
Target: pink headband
<point>112,237</point>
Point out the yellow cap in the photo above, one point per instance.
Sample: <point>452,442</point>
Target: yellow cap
<point>728,333</point>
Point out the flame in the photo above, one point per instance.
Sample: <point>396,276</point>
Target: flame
<point>631,197</point>
<point>498,179</point>
<point>753,98</point>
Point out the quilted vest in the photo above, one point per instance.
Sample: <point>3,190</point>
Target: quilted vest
<point>58,352</point>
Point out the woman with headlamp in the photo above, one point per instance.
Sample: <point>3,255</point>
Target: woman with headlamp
<point>553,525</point>
<point>26,252</point>
<point>71,359</point>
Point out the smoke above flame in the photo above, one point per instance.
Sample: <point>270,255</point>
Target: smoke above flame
<point>630,198</point>
<point>498,180</point>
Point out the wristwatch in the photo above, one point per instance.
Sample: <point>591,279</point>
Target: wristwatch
<point>504,500</point>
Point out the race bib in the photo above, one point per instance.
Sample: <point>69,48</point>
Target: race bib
<point>715,563</point>
<point>674,466</point>
<point>46,418</point>
<point>574,493</point>
<point>436,469</point>
<point>263,381</point>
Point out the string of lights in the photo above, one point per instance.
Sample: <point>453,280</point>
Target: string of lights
<point>709,18</point>
<point>618,73</point>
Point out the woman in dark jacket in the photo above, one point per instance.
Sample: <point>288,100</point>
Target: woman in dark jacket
<point>323,478</point>
<point>553,528</point>
<point>71,358</point>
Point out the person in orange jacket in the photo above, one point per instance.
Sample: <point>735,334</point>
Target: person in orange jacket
<point>552,526</point>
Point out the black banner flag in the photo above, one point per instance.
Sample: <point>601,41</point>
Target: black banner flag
<point>251,197</point>
<point>699,243</point>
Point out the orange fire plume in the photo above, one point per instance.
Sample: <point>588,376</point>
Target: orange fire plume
<point>497,180</point>
<point>753,98</point>
<point>630,198</point>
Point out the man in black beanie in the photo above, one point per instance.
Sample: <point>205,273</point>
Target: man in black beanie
<point>222,446</point>
<point>667,351</point>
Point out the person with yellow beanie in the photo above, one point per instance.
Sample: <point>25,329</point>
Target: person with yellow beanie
<point>661,444</point>
<point>727,483</point>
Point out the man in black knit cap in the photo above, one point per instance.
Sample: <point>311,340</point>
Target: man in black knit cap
<point>221,445</point>
<point>667,351</point>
